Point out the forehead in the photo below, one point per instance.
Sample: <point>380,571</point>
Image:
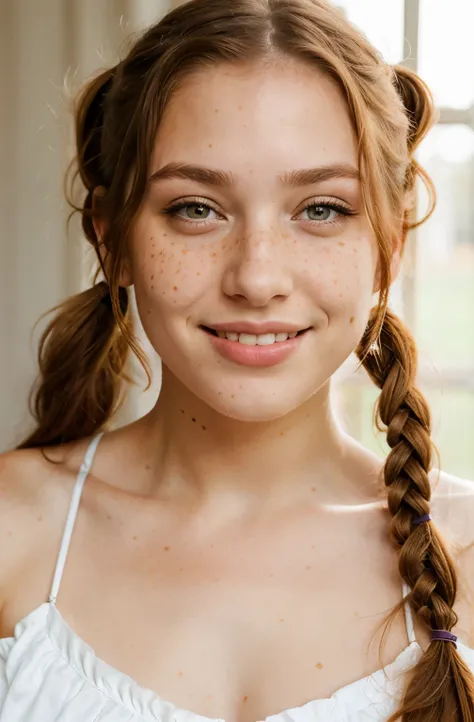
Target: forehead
<point>268,116</point>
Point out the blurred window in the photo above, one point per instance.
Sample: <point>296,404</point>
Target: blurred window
<point>435,293</point>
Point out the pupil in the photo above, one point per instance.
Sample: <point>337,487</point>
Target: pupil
<point>197,211</point>
<point>315,212</point>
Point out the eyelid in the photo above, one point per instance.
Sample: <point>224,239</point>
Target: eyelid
<point>195,200</point>
<point>325,201</point>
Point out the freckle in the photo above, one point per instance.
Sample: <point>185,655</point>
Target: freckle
<point>203,428</point>
<point>214,255</point>
<point>181,569</point>
<point>10,533</point>
<point>281,620</point>
<point>210,145</point>
<point>198,274</point>
<point>341,244</point>
<point>319,665</point>
<point>232,396</point>
<point>217,110</point>
<point>340,295</point>
<point>194,420</point>
<point>180,674</point>
<point>40,518</point>
<point>175,288</point>
<point>109,517</point>
<point>182,411</point>
<point>356,614</point>
<point>308,568</point>
<point>352,319</point>
<point>147,467</point>
<point>152,278</point>
<point>166,549</point>
<point>134,538</point>
<point>313,488</point>
<point>152,255</point>
<point>282,433</point>
<point>152,287</point>
<point>184,252</point>
<point>271,576</point>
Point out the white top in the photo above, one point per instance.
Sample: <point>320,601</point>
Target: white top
<point>49,674</point>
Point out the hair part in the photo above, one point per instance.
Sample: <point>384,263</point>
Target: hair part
<point>83,351</point>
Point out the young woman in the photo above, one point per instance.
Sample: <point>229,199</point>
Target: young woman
<point>250,171</point>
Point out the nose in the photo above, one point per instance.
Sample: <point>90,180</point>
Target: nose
<point>259,269</point>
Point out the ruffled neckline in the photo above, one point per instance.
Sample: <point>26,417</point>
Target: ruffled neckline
<point>380,689</point>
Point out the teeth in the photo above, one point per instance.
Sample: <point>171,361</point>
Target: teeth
<point>247,339</point>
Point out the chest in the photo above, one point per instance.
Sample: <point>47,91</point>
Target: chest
<point>238,624</point>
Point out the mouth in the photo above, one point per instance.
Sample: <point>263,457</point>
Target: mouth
<point>248,339</point>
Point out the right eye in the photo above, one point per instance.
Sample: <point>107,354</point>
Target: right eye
<point>194,212</point>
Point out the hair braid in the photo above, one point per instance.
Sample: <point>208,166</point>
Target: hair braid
<point>424,562</point>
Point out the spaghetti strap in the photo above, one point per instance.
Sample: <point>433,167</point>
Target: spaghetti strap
<point>71,518</point>
<point>409,615</point>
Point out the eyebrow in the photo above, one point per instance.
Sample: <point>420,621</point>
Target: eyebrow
<point>219,178</point>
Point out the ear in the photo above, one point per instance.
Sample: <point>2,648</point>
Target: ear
<point>398,243</point>
<point>101,227</point>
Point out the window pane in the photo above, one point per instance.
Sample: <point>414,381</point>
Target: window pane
<point>382,22</point>
<point>452,412</point>
<point>445,285</point>
<point>446,50</point>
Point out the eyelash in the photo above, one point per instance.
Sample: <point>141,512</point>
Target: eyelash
<point>174,209</point>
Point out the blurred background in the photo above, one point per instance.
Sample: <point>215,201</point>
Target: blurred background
<point>48,49</point>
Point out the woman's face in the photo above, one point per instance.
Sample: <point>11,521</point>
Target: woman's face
<point>253,224</point>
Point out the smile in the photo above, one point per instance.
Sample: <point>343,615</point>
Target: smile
<point>248,339</point>
<point>261,350</point>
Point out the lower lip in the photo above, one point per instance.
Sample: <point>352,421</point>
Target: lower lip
<point>255,355</point>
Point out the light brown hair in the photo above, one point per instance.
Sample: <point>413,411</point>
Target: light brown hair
<point>84,349</point>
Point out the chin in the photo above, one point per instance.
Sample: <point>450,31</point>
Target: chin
<point>256,405</point>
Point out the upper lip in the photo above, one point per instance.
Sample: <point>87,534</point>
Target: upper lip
<point>257,329</point>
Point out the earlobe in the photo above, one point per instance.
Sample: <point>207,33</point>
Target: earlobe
<point>100,224</point>
<point>126,275</point>
<point>395,267</point>
<point>98,219</point>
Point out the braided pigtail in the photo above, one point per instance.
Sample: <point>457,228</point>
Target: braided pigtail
<point>441,687</point>
<point>83,351</point>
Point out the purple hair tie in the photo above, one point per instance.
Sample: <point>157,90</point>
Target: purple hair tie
<point>421,520</point>
<point>441,635</point>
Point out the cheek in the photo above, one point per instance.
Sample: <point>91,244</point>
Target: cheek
<point>342,276</point>
<point>169,276</point>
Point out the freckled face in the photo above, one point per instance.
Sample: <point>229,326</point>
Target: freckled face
<point>256,248</point>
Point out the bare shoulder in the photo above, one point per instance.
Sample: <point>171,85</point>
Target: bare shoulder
<point>34,488</point>
<point>452,510</point>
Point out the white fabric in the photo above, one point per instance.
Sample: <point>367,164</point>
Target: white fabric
<point>49,674</point>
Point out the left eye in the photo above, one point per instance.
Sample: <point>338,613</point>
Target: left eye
<point>322,213</point>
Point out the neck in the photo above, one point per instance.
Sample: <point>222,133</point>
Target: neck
<point>191,446</point>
